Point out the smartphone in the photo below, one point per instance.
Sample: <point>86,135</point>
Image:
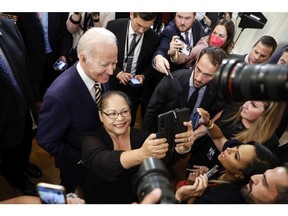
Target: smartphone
<point>171,123</point>
<point>135,82</point>
<point>60,65</point>
<point>212,171</point>
<point>186,48</point>
<point>51,193</point>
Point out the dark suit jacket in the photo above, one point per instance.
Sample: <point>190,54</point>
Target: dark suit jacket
<point>237,56</point>
<point>149,45</point>
<point>68,110</point>
<point>32,33</point>
<point>166,37</point>
<point>60,38</point>
<point>14,108</point>
<point>166,98</point>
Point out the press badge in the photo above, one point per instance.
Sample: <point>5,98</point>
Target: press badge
<point>211,153</point>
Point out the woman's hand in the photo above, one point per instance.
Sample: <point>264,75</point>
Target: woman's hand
<point>153,147</point>
<point>205,117</point>
<point>195,172</point>
<point>185,140</point>
<point>192,191</point>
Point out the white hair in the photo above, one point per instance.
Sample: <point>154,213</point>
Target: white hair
<point>92,37</point>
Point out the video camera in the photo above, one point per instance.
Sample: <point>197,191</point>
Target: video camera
<point>238,81</point>
<point>153,174</point>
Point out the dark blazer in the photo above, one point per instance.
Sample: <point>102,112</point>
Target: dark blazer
<point>149,45</point>
<point>166,98</point>
<point>32,33</point>
<point>107,181</point>
<point>68,110</point>
<point>14,108</point>
<point>237,56</point>
<point>166,37</point>
<point>60,38</point>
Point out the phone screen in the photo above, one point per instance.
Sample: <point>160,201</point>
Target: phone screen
<point>50,195</point>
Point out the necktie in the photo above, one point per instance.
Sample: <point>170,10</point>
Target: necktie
<point>187,41</point>
<point>131,54</point>
<point>98,90</point>
<point>192,100</point>
<point>9,75</point>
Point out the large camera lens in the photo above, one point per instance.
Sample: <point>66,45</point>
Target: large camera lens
<point>153,174</point>
<point>237,81</point>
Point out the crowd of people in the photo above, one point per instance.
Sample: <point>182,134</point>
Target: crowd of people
<point>84,114</point>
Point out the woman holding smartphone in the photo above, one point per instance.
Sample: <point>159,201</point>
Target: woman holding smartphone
<point>239,161</point>
<point>113,152</point>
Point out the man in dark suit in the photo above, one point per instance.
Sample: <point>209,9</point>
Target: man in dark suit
<point>167,96</point>
<point>183,22</point>
<point>69,108</point>
<point>260,52</point>
<point>18,95</point>
<point>141,54</point>
<point>58,44</point>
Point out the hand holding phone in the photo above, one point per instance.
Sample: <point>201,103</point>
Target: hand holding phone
<point>135,82</point>
<point>51,193</point>
<point>186,49</point>
<point>60,65</point>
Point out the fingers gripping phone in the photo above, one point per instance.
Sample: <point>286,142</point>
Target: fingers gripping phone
<point>212,171</point>
<point>51,193</point>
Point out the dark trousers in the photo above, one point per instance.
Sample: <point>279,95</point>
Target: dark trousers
<point>13,160</point>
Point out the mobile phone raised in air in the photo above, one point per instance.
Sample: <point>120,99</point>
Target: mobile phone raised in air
<point>212,171</point>
<point>51,193</point>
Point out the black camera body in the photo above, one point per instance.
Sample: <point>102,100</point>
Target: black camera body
<point>236,80</point>
<point>153,174</point>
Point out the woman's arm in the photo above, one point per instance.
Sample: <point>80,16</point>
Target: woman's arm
<point>212,129</point>
<point>151,147</point>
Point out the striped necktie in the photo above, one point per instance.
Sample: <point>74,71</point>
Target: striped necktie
<point>98,91</point>
<point>187,41</point>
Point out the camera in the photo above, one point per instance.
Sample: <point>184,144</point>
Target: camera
<point>153,174</point>
<point>238,81</point>
<point>186,48</point>
<point>60,65</point>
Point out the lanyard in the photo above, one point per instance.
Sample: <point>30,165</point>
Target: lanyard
<point>128,52</point>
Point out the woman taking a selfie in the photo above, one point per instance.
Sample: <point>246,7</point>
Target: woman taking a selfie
<point>113,152</point>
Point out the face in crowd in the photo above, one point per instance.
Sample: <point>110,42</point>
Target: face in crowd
<point>284,58</point>
<point>184,21</point>
<point>219,36</point>
<point>236,159</point>
<point>259,54</point>
<point>265,188</point>
<point>139,25</point>
<point>204,71</point>
<point>114,113</point>
<point>252,110</point>
<point>97,52</point>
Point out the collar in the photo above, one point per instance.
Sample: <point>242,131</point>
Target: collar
<point>87,80</point>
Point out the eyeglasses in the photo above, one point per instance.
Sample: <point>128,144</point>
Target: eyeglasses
<point>114,115</point>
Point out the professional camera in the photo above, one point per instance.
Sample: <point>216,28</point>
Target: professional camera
<point>237,81</point>
<point>153,174</point>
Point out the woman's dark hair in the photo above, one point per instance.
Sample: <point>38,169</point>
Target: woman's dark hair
<point>263,161</point>
<point>230,28</point>
<point>111,93</point>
